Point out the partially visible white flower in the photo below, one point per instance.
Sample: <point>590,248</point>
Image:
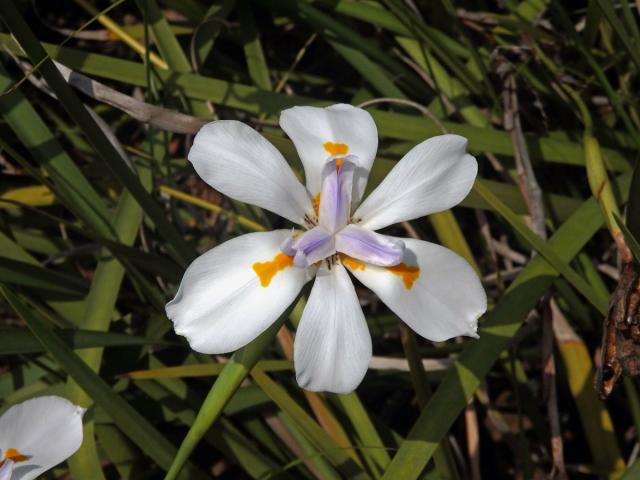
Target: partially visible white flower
<point>37,435</point>
<point>232,293</point>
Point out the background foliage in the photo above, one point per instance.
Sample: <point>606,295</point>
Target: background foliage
<point>100,213</point>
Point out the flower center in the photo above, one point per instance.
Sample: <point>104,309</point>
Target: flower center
<point>334,233</point>
<point>332,230</point>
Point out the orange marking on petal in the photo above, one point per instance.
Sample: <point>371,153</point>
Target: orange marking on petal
<point>336,149</point>
<point>15,456</point>
<point>352,263</point>
<point>267,270</point>
<point>409,274</point>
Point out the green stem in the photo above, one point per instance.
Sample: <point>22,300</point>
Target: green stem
<point>234,373</point>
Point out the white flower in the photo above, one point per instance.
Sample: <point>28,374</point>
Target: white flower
<point>232,293</point>
<point>37,435</point>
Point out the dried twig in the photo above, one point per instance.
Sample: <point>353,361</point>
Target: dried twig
<point>501,276</point>
<point>450,107</point>
<point>485,231</point>
<point>473,439</point>
<point>499,168</point>
<point>155,116</point>
<point>529,187</point>
<point>402,365</point>
<point>402,101</point>
<point>283,81</point>
<point>550,394</point>
<point>533,196</point>
<point>504,250</point>
<point>282,432</point>
<point>610,271</point>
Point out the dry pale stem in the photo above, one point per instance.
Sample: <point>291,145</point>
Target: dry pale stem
<point>532,194</point>
<point>473,439</point>
<point>282,432</point>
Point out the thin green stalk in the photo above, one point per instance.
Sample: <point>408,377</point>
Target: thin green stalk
<point>100,304</point>
<point>443,460</point>
<point>364,427</point>
<point>321,439</point>
<point>235,371</point>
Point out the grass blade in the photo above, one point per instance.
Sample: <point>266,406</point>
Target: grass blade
<point>100,304</point>
<point>134,425</point>
<point>501,324</point>
<point>543,249</point>
<point>229,380</point>
<point>319,437</point>
<point>105,150</point>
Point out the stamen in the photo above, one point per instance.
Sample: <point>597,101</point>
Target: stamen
<point>409,274</point>
<point>308,222</point>
<point>267,270</point>
<point>316,204</point>
<point>15,456</point>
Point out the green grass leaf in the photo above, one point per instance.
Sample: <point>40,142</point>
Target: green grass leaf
<point>495,332</point>
<point>134,425</point>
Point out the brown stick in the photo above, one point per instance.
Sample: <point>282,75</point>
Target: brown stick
<point>158,117</point>
<point>473,439</point>
<point>550,394</point>
<point>282,432</point>
<point>532,194</point>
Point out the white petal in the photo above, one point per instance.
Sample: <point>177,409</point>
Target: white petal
<point>48,430</point>
<point>434,176</point>
<point>222,305</point>
<point>332,346</point>
<point>445,300</point>
<point>239,162</point>
<point>310,128</point>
